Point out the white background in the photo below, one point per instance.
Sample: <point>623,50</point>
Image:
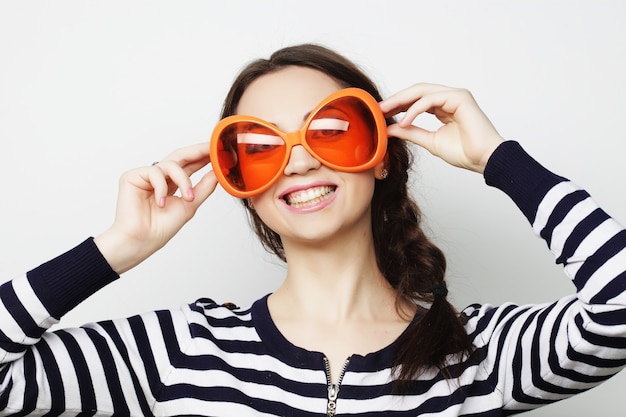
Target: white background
<point>90,89</point>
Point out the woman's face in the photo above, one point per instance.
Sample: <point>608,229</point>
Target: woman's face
<point>310,202</point>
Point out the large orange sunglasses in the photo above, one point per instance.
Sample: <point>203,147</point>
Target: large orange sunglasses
<point>346,132</point>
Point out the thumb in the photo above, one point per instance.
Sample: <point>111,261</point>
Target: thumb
<point>203,189</point>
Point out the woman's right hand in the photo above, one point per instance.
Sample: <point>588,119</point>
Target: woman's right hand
<point>148,212</point>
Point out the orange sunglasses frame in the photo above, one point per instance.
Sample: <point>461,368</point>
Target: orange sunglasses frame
<point>298,137</point>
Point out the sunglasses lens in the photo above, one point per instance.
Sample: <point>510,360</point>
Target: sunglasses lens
<point>249,155</point>
<point>343,133</point>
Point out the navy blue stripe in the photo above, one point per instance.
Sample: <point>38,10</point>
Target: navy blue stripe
<point>232,346</point>
<point>105,357</point>
<point>580,232</point>
<point>31,390</point>
<point>553,363</point>
<point>513,314</point>
<point>605,252</point>
<point>610,290</point>
<point>4,395</point>
<point>562,209</point>
<point>518,366</point>
<point>8,345</point>
<point>553,356</point>
<point>120,346</point>
<point>84,379</point>
<point>261,377</point>
<point>9,298</point>
<point>607,318</point>
<point>229,394</point>
<point>432,405</point>
<point>55,382</point>
<point>595,362</point>
<point>211,362</point>
<point>234,320</point>
<point>486,319</point>
<point>145,350</point>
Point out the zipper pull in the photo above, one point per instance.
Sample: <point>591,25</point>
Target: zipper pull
<point>333,392</point>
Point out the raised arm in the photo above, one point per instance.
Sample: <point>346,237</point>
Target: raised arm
<point>101,367</point>
<point>535,354</point>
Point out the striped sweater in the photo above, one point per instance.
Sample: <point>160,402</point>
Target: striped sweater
<point>205,359</point>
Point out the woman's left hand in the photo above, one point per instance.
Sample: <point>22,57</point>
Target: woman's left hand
<point>467,138</point>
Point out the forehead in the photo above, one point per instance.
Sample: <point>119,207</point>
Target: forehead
<point>286,96</point>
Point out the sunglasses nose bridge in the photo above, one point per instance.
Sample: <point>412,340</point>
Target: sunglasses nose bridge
<point>295,138</point>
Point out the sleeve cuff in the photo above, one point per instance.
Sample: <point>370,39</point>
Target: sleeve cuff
<point>523,179</point>
<point>67,280</point>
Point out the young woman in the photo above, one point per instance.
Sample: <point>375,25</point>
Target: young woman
<point>360,325</point>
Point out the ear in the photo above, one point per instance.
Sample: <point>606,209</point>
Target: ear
<point>381,170</point>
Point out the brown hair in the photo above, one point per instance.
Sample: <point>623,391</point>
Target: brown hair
<point>411,263</point>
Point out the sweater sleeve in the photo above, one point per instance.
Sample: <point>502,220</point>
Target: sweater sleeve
<point>538,354</point>
<point>96,368</point>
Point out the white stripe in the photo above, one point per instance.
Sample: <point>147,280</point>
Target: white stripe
<point>590,244</point>
<point>602,277</point>
<point>99,383</point>
<point>192,406</point>
<point>563,230</point>
<point>216,378</point>
<point>368,378</point>
<point>123,374</point>
<point>66,367</point>
<point>14,332</point>
<point>549,201</point>
<point>256,362</point>
<point>16,395</point>
<point>239,333</point>
<point>36,309</point>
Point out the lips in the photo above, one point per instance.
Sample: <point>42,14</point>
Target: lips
<point>310,196</point>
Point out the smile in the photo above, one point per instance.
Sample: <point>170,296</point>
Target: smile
<point>299,199</point>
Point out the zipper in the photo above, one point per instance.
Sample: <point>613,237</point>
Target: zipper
<point>333,389</point>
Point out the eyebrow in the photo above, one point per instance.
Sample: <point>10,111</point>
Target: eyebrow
<point>307,114</point>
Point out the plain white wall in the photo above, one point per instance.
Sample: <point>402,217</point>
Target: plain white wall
<point>90,89</point>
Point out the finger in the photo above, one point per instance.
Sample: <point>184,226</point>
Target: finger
<point>414,134</point>
<point>191,158</point>
<point>155,179</point>
<point>177,179</point>
<point>431,103</point>
<point>403,99</point>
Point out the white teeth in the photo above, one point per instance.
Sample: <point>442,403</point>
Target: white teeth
<point>311,196</point>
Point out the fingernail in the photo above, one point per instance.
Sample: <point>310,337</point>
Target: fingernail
<point>190,193</point>
<point>162,202</point>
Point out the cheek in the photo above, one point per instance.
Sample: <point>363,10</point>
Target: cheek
<point>265,207</point>
<point>363,183</point>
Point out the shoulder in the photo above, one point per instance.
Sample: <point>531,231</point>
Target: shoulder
<point>226,321</point>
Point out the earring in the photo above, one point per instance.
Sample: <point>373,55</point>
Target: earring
<point>383,174</point>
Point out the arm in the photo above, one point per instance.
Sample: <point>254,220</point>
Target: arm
<point>533,355</point>
<point>544,353</point>
<point>97,367</point>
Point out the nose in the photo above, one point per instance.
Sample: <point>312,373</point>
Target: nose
<point>301,161</point>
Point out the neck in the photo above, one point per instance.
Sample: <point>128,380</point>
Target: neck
<point>335,299</point>
<point>340,278</point>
